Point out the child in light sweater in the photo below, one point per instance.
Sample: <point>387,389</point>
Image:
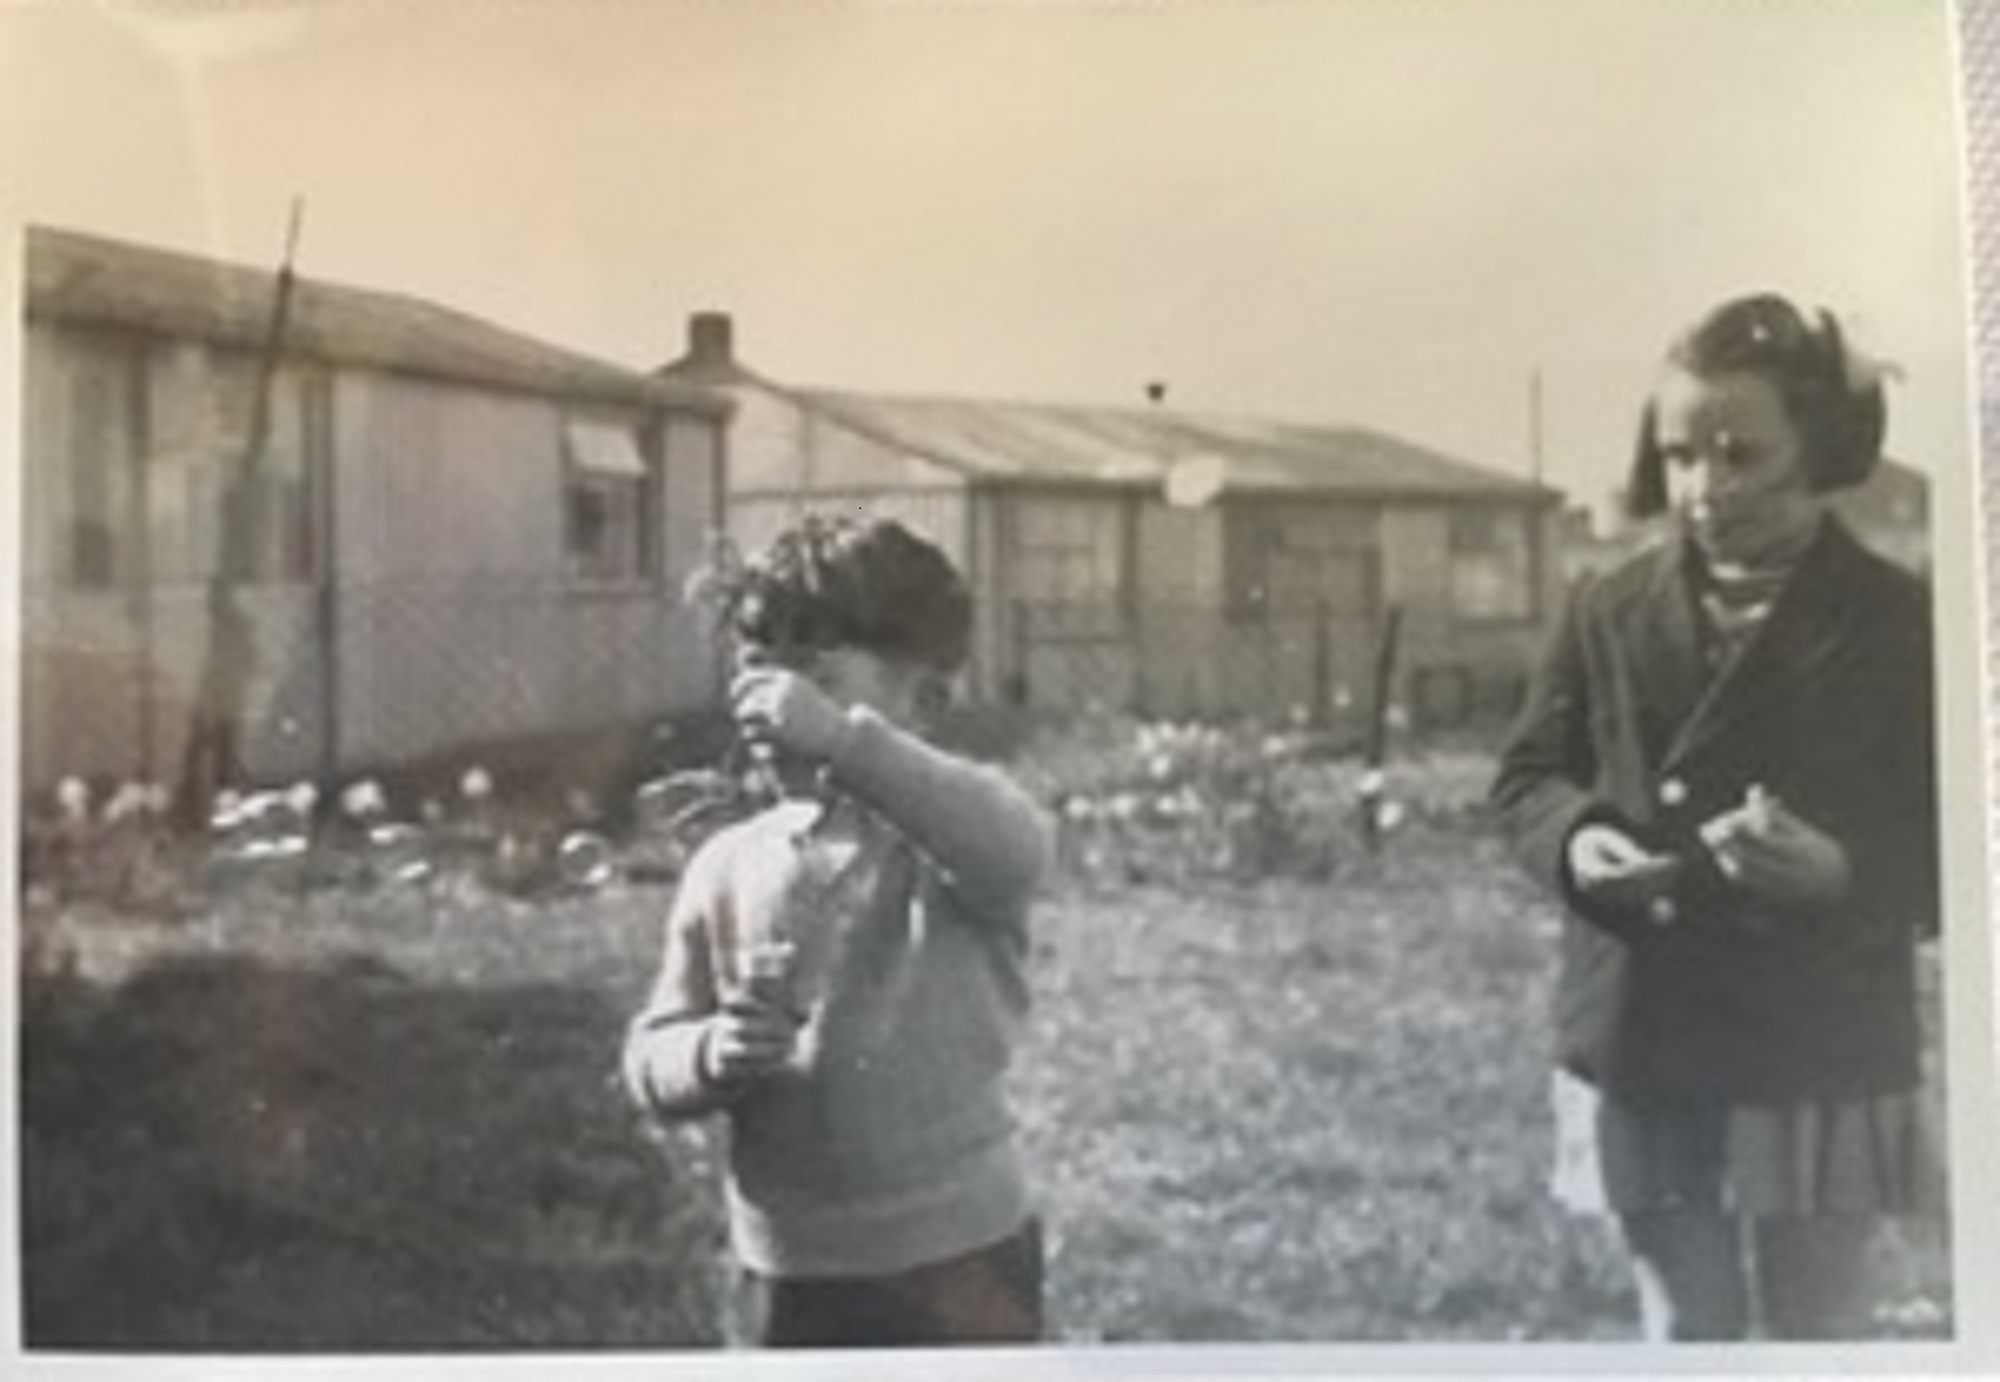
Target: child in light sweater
<point>844,973</point>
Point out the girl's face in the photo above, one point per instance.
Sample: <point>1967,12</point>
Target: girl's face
<point>1734,467</point>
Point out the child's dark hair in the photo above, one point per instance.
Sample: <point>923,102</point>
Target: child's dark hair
<point>830,583</point>
<point>1833,398</point>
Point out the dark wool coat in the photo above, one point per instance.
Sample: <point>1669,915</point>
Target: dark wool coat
<point>1829,707</point>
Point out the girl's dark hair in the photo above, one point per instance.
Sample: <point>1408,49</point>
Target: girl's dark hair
<point>1839,411</point>
<point>832,583</point>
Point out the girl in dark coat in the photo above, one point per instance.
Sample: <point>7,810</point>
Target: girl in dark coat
<point>1725,769</point>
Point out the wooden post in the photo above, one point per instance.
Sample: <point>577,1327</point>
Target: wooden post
<point>1378,728</point>
<point>214,748</point>
<point>1322,664</point>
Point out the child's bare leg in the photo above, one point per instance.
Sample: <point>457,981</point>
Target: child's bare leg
<point>1816,1275</point>
<point>1690,1271</point>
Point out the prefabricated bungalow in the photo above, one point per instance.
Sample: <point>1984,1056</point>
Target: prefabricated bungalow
<point>452,535</point>
<point>1165,562</point>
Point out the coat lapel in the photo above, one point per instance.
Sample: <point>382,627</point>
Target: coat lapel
<point>1655,658</point>
<point>1806,629</point>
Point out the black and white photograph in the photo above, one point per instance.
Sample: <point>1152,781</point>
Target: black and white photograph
<point>1281,686</point>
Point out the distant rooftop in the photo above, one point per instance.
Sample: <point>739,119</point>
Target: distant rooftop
<point>996,442</point>
<point>1137,447</point>
<point>90,280</point>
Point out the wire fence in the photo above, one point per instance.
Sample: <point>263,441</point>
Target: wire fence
<point>439,686</point>
<point>342,680</point>
<point>1319,665</point>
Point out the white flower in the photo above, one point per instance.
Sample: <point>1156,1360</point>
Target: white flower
<point>128,800</point>
<point>302,797</point>
<point>227,811</point>
<point>476,785</point>
<point>363,798</point>
<point>73,798</point>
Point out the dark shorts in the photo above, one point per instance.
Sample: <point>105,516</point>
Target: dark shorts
<point>991,1295</point>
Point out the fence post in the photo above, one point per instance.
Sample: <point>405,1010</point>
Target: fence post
<point>1378,729</point>
<point>1014,684</point>
<point>1322,664</point>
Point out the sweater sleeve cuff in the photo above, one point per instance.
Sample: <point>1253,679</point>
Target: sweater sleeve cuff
<point>665,1067</point>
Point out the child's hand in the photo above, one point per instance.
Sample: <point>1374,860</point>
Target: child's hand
<point>780,707</point>
<point>1766,849</point>
<point>1610,867</point>
<point>747,1041</point>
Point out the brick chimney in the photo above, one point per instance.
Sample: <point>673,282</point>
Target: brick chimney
<point>711,349</point>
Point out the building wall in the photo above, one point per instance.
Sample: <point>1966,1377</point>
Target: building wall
<point>786,461</point>
<point>459,620</point>
<point>451,617</point>
<point>110,665</point>
<point>1150,617</point>
<point>1455,666</point>
<point>1278,609</point>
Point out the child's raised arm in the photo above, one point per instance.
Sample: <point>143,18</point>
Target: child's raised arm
<point>973,820</point>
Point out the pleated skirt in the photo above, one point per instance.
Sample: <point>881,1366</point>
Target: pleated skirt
<point>1878,1154</point>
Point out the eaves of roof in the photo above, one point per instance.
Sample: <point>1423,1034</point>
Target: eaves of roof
<point>89,280</point>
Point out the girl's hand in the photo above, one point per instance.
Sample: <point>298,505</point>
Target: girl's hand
<point>1766,849</point>
<point>748,1040</point>
<point>1610,867</point>
<point>782,708</point>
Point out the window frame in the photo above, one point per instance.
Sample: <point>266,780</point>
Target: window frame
<point>1053,533</point>
<point>614,462</point>
<point>1255,542</point>
<point>105,531</point>
<point>1491,551</point>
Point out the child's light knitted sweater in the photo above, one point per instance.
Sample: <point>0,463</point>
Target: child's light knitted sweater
<point>888,1143</point>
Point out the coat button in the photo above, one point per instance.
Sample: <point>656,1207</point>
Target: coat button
<point>1661,911</point>
<point>1673,792</point>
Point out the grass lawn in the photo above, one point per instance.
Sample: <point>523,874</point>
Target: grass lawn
<point>1307,1112</point>
<point>1281,1110</point>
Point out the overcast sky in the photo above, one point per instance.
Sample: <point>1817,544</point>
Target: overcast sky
<point>1365,211</point>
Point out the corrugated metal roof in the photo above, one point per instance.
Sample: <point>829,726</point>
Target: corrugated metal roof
<point>87,279</point>
<point>1029,443</point>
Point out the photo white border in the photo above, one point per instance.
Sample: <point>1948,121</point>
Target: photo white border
<point>1966,511</point>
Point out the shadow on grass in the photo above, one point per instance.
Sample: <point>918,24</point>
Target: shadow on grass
<point>224,1154</point>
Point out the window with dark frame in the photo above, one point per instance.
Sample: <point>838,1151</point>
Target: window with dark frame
<point>1071,555</point>
<point>610,502</point>
<point>106,544</point>
<point>1302,558</point>
<point>1492,564</point>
